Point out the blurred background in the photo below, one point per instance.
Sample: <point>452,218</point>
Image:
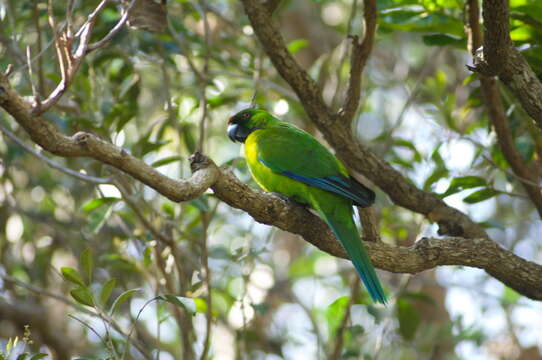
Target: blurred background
<point>90,270</point>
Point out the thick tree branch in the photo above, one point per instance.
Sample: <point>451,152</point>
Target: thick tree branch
<point>497,114</point>
<point>89,145</point>
<point>520,274</point>
<point>303,85</point>
<point>502,59</point>
<point>360,55</point>
<point>341,137</point>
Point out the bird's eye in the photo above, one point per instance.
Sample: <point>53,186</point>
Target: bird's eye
<point>246,115</point>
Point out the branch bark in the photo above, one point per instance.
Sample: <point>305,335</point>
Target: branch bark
<point>360,55</point>
<point>502,59</point>
<point>341,137</point>
<point>495,107</point>
<point>520,274</point>
<point>85,144</point>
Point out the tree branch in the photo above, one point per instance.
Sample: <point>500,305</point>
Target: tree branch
<point>518,273</point>
<point>360,55</point>
<point>88,145</point>
<point>340,136</point>
<point>497,114</point>
<point>303,85</point>
<point>501,58</point>
<point>522,275</point>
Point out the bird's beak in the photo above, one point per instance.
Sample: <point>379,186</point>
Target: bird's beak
<point>232,131</point>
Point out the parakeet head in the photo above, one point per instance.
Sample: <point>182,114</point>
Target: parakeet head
<point>246,121</point>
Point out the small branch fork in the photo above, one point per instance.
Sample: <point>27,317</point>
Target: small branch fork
<point>520,274</point>
<point>495,107</point>
<point>499,57</point>
<point>360,54</point>
<point>70,58</point>
<point>466,244</point>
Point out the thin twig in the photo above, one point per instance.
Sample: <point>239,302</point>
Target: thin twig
<point>39,45</point>
<point>51,163</point>
<point>511,173</point>
<point>70,62</point>
<point>205,73</point>
<point>114,31</point>
<point>205,259</point>
<point>346,51</point>
<point>31,75</point>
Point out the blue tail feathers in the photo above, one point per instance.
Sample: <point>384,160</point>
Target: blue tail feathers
<point>348,235</point>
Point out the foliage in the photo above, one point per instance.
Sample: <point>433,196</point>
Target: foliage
<point>121,271</point>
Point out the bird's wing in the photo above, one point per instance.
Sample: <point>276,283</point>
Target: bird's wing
<point>294,153</point>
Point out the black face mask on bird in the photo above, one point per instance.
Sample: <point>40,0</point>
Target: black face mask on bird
<point>237,132</point>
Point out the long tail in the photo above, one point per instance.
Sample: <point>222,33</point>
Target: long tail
<point>347,233</point>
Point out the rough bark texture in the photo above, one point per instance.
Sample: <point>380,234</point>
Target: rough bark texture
<point>427,253</point>
<point>467,243</point>
<point>493,101</point>
<point>502,59</point>
<point>340,136</point>
<point>89,145</point>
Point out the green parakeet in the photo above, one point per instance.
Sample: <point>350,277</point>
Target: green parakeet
<point>286,160</point>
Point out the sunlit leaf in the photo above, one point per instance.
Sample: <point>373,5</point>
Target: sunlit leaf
<point>39,356</point>
<point>481,195</point>
<point>296,45</point>
<point>464,182</point>
<point>96,203</point>
<point>72,275</point>
<point>335,313</point>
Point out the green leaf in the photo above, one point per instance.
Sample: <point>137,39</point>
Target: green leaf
<point>437,158</point>
<point>481,195</point>
<point>187,304</point>
<point>83,296</point>
<point>96,203</point>
<point>86,264</point>
<point>98,218</point>
<point>303,266</point>
<point>39,356</point>
<point>465,182</point>
<point>417,157</point>
<point>201,305</point>
<point>435,176</point>
<point>335,313</point>
<point>166,160</point>
<point>121,299</point>
<point>443,40</point>
<point>409,319</point>
<point>22,356</point>
<point>169,209</point>
<point>72,275</point>
<point>509,297</point>
<point>297,45</point>
<point>107,289</point>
